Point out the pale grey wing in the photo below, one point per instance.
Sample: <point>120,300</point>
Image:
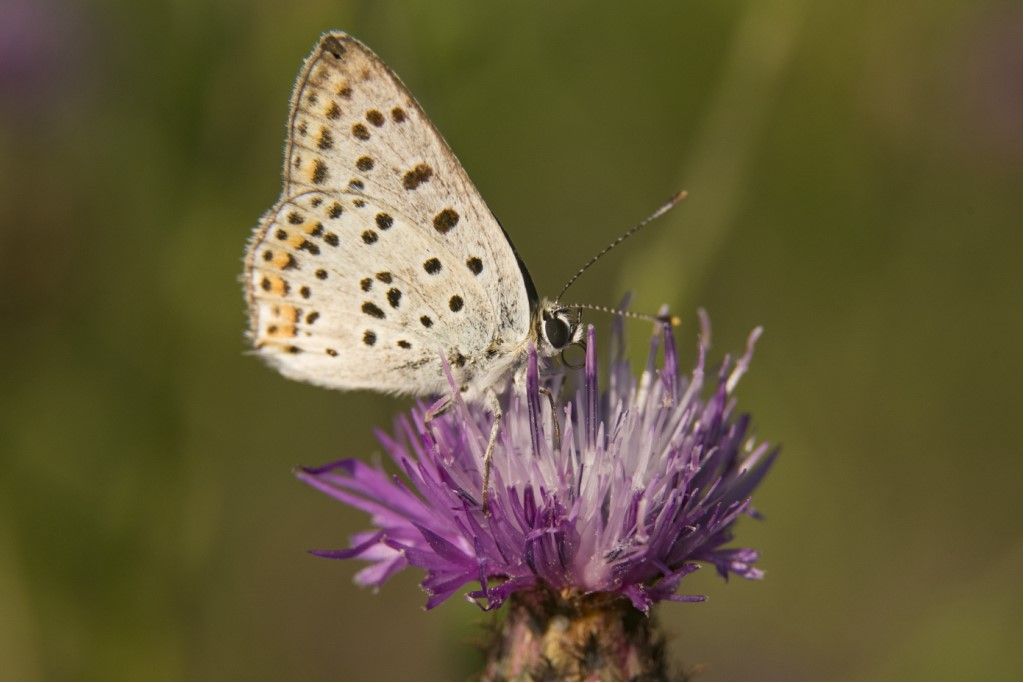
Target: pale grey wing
<point>348,293</point>
<point>354,127</point>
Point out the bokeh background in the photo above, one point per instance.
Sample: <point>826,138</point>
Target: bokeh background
<point>855,183</point>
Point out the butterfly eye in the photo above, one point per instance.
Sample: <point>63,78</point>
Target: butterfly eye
<point>557,332</point>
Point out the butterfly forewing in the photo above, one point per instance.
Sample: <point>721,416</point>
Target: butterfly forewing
<point>380,255</point>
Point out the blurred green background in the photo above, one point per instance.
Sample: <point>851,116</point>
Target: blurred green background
<point>855,183</point>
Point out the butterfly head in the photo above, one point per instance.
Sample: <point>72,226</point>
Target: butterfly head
<point>558,327</point>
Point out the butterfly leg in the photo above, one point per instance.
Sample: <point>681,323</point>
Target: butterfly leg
<point>444,405</point>
<point>556,442</point>
<point>440,407</point>
<point>495,407</point>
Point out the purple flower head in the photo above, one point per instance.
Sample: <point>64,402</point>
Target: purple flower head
<point>641,483</point>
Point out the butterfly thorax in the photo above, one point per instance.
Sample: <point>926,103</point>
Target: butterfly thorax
<point>553,328</point>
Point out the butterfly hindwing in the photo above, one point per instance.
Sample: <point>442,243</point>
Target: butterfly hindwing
<point>335,303</point>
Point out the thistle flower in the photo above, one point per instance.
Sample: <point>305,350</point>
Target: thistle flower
<point>632,489</point>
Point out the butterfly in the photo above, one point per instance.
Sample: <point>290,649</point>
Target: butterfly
<point>380,262</point>
<point>380,258</point>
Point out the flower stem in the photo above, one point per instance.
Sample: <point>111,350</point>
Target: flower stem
<point>572,637</point>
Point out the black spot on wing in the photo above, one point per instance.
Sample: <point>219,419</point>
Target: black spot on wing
<point>319,174</point>
<point>446,220</point>
<point>394,297</point>
<point>333,46</point>
<point>326,139</point>
<point>420,174</point>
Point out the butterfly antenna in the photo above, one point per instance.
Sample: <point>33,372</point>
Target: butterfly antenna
<point>676,198</point>
<point>672,320</point>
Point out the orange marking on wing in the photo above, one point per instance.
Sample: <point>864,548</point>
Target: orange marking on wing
<point>290,313</point>
<point>274,345</point>
<point>278,285</point>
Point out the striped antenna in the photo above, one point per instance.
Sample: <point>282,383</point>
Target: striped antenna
<point>672,320</point>
<point>676,198</point>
